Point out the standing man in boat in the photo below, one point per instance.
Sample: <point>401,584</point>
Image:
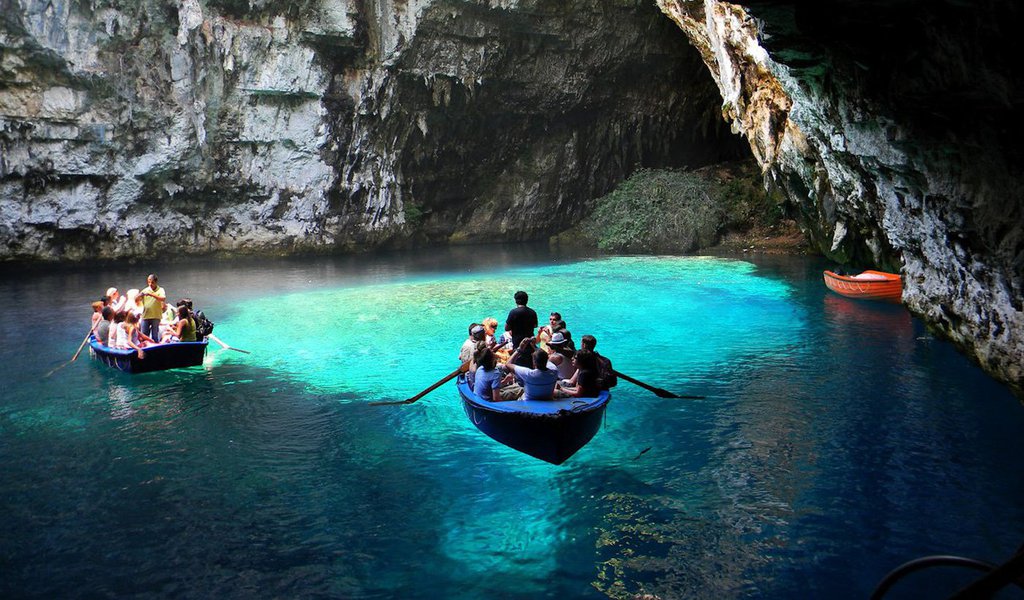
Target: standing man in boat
<point>521,322</point>
<point>153,298</point>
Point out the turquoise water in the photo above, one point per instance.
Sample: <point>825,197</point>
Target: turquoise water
<point>837,439</point>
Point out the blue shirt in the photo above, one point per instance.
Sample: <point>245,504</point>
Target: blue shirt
<point>486,381</point>
<point>538,383</point>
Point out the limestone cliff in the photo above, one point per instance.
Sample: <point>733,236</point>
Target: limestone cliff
<point>142,127</point>
<point>894,129</point>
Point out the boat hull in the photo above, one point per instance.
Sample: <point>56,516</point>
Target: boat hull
<point>549,430</point>
<point>160,357</point>
<point>869,285</point>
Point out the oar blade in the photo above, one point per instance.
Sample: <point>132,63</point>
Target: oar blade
<point>392,402</point>
<point>659,392</point>
<point>57,368</point>
<point>663,393</point>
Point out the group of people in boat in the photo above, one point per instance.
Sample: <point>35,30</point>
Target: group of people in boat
<point>142,318</point>
<point>525,362</point>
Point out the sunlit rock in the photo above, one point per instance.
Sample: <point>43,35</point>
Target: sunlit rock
<point>892,133</point>
<point>277,127</point>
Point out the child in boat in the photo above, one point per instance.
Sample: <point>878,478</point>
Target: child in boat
<point>118,324</point>
<point>102,329</point>
<point>127,335</point>
<point>134,338</point>
<point>97,314</point>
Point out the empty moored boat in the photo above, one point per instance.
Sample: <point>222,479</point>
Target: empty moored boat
<point>551,430</point>
<point>869,285</point>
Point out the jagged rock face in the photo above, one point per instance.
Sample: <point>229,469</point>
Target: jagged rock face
<point>895,130</point>
<point>143,127</point>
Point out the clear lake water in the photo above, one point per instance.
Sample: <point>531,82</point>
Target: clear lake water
<point>837,440</point>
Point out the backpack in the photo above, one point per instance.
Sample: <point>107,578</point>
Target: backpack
<point>204,326</point>
<point>606,377</point>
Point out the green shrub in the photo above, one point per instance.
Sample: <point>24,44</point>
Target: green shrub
<point>671,210</point>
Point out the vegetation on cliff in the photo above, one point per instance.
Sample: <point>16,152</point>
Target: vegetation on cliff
<point>680,210</point>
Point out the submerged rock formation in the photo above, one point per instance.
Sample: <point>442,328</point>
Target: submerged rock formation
<point>894,129</point>
<point>143,127</point>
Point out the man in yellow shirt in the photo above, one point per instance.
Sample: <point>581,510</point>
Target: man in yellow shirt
<point>153,298</point>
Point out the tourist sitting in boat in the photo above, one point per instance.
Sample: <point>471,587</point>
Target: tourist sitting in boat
<point>568,336</point>
<point>561,327</point>
<point>561,355</point>
<point>490,327</point>
<point>587,384</point>
<point>102,329</point>
<point>115,327</point>
<point>133,302</point>
<point>182,330</point>
<point>469,346</point>
<point>168,317</point>
<point>129,335</point>
<point>539,380</point>
<point>503,342</point>
<point>97,313</point>
<point>117,301</point>
<point>546,331</point>
<point>488,377</point>
<point>606,378</point>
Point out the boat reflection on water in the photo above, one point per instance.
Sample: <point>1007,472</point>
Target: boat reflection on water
<point>874,328</point>
<point>868,316</point>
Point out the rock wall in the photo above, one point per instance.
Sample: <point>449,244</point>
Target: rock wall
<point>148,127</point>
<point>894,128</point>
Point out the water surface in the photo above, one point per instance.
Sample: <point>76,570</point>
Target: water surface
<point>838,438</point>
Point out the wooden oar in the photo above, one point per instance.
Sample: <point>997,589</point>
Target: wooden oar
<point>658,391</point>
<point>73,358</point>
<point>446,379</point>
<point>225,346</point>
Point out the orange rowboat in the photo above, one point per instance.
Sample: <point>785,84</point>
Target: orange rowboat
<point>869,285</point>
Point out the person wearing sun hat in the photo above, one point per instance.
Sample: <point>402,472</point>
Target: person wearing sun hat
<point>470,347</point>
<point>117,301</point>
<point>561,355</point>
<point>133,302</point>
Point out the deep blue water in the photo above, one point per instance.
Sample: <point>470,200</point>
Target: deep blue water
<point>838,439</point>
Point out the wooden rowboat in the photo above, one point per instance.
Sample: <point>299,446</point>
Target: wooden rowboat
<point>869,285</point>
<point>159,357</point>
<point>551,430</point>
